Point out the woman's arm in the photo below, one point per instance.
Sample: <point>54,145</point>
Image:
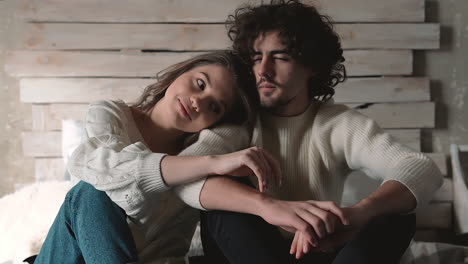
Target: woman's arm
<point>252,161</point>
<point>128,172</point>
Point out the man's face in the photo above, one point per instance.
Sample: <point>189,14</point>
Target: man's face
<point>281,80</point>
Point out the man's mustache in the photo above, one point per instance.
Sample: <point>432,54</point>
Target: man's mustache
<point>264,81</point>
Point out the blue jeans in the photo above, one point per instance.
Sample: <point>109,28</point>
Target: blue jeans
<point>89,228</point>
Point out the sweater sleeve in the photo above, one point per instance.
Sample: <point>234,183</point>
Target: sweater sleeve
<point>365,146</point>
<point>220,140</point>
<point>127,171</point>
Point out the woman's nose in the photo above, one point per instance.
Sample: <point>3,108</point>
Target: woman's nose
<point>196,103</point>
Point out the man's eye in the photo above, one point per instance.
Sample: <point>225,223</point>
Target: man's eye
<point>201,84</point>
<point>256,59</point>
<point>282,58</point>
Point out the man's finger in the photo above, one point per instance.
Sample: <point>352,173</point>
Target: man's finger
<point>313,220</point>
<point>334,208</point>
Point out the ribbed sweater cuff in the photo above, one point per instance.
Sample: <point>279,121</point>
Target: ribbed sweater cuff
<point>150,178</point>
<point>421,178</point>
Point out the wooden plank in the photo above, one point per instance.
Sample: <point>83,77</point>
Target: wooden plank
<point>198,11</point>
<point>378,90</point>
<point>42,144</point>
<point>55,113</point>
<point>435,215</point>
<point>49,169</point>
<point>440,160</point>
<point>80,90</point>
<point>389,36</point>
<point>378,62</point>
<point>85,90</point>
<point>43,64</point>
<point>38,117</point>
<point>401,115</point>
<point>110,64</point>
<point>41,36</point>
<point>445,192</point>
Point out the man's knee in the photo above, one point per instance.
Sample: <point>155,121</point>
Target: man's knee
<point>394,229</point>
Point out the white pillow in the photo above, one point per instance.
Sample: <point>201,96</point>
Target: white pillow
<point>73,133</point>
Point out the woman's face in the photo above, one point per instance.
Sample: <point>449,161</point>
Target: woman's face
<point>199,98</point>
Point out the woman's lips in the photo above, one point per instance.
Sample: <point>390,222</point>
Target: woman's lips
<point>184,110</point>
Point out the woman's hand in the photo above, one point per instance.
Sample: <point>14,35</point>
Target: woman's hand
<point>248,162</point>
<point>314,220</point>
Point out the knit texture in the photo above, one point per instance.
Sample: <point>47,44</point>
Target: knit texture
<point>114,158</point>
<point>320,147</point>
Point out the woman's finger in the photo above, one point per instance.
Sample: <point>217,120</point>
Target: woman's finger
<point>294,243</point>
<point>255,164</point>
<point>299,247</point>
<point>275,165</point>
<point>269,169</point>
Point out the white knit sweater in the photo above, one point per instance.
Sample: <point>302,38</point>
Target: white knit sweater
<point>115,159</point>
<point>318,148</point>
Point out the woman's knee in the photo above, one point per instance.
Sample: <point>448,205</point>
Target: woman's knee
<point>85,194</point>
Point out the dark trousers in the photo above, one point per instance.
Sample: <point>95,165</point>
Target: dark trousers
<point>237,238</point>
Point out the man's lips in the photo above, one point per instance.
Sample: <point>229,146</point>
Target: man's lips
<point>184,110</point>
<point>266,85</point>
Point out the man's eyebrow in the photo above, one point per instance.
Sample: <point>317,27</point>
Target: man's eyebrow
<point>272,52</point>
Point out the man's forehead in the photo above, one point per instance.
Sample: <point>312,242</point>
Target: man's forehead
<point>269,41</point>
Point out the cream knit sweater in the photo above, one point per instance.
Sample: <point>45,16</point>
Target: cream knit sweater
<point>318,148</point>
<point>114,158</point>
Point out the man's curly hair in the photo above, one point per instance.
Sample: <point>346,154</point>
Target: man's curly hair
<point>308,35</point>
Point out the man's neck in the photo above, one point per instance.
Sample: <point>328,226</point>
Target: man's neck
<point>293,107</point>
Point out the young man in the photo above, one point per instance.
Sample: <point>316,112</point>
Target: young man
<point>297,60</point>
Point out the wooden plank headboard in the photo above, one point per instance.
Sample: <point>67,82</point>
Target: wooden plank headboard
<point>77,51</point>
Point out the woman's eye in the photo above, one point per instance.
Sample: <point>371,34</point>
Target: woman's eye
<point>201,84</point>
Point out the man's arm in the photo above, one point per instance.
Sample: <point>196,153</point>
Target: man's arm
<point>390,198</point>
<point>312,218</point>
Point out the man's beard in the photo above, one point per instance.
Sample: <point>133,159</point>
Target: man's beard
<point>274,102</point>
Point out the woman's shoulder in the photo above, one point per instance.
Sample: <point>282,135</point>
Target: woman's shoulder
<point>108,109</point>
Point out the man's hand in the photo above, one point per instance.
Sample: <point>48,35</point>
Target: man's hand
<point>358,217</point>
<point>313,219</point>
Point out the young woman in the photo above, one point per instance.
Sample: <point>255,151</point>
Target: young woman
<point>124,210</point>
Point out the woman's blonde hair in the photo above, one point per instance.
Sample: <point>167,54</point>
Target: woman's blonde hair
<point>245,106</point>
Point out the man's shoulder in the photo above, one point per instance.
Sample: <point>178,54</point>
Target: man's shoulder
<point>332,115</point>
<point>331,111</point>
